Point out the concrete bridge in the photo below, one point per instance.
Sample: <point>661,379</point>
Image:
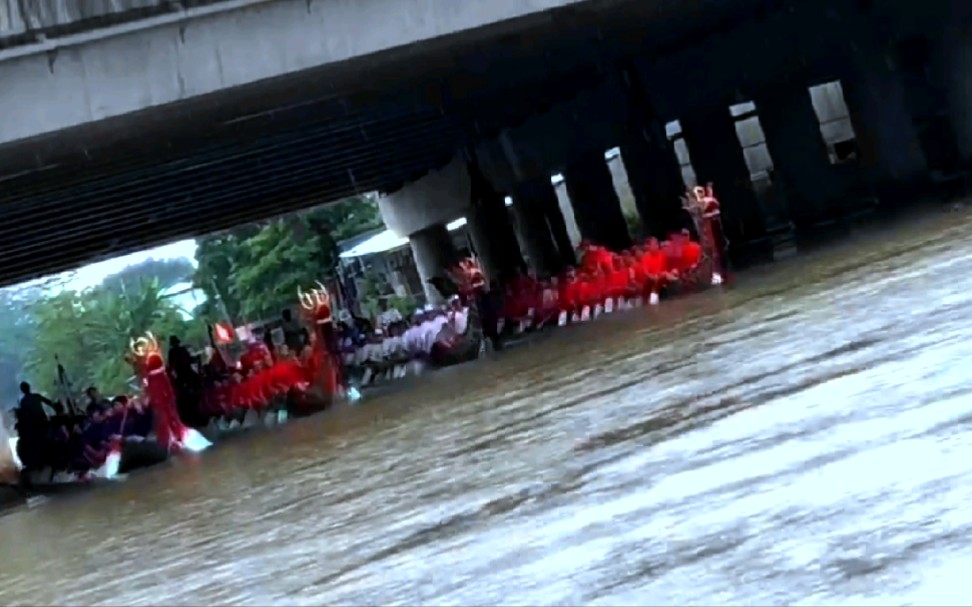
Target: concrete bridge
<point>144,121</point>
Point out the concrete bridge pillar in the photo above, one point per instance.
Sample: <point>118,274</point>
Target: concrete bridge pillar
<point>421,210</point>
<point>491,229</point>
<point>596,205</point>
<point>655,178</point>
<point>653,170</point>
<point>537,213</point>
<point>546,195</point>
<point>956,58</point>
<point>810,183</point>
<point>434,253</point>
<point>888,143</point>
<point>717,157</point>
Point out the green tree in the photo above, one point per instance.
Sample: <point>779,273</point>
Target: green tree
<point>217,257</point>
<point>168,273</point>
<point>90,332</point>
<point>254,272</point>
<point>19,328</point>
<point>286,254</point>
<point>349,217</point>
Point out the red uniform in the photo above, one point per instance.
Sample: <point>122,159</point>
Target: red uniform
<point>569,293</point>
<point>655,263</point>
<point>255,353</point>
<point>638,275</point>
<point>691,255</point>
<point>169,430</point>
<point>596,289</point>
<point>620,282</point>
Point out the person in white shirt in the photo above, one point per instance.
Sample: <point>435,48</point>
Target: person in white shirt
<point>412,337</point>
<point>372,357</point>
<point>430,332</point>
<point>460,320</point>
<point>388,316</point>
<point>396,352</point>
<point>393,345</point>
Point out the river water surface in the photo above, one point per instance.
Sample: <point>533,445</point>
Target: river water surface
<point>805,438</point>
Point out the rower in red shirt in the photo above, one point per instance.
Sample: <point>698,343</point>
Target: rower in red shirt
<point>620,280</point>
<point>636,276</point>
<point>656,268</point>
<point>691,253</point>
<point>673,252</point>
<point>585,290</point>
<point>569,292</point>
<point>600,286</point>
<point>605,259</point>
<point>550,306</point>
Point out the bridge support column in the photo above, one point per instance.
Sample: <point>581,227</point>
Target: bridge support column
<point>653,170</point>
<point>800,161</point>
<point>887,140</point>
<point>541,194</point>
<point>656,182</point>
<point>434,253</point>
<point>531,206</point>
<point>717,157</point>
<point>421,210</point>
<point>596,205</point>
<point>956,57</point>
<point>491,229</point>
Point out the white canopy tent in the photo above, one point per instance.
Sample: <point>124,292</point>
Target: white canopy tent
<point>388,241</point>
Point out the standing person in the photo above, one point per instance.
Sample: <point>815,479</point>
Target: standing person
<point>33,426</point>
<point>170,432</point>
<point>323,364</point>
<point>169,429</point>
<point>490,304</point>
<point>187,383</point>
<point>707,212</point>
<point>294,334</point>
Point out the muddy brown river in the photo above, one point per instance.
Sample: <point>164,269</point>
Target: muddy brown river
<point>805,438</point>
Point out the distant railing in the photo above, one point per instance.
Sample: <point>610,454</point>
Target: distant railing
<point>27,21</point>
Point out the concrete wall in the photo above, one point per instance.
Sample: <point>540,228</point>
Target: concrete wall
<point>438,198</point>
<point>18,17</point>
<point>67,81</point>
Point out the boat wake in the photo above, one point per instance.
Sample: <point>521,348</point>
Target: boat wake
<point>194,442</point>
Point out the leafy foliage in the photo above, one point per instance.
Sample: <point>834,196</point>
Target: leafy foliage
<point>90,332</point>
<point>168,272</point>
<point>19,330</point>
<point>252,274</point>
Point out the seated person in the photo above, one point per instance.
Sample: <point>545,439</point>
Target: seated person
<point>460,320</point>
<point>116,418</point>
<point>590,289</point>
<point>95,437</point>
<point>655,265</point>
<point>142,421</point>
<point>371,357</point>
<point>570,292</point>
<point>95,398</point>
<point>619,280</point>
<point>691,253</point>
<point>550,300</point>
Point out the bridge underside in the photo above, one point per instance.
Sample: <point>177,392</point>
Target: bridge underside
<point>211,163</point>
